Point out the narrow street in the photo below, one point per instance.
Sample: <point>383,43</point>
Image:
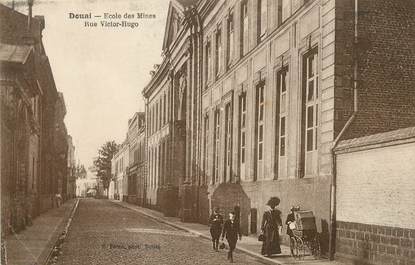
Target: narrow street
<point>105,233</point>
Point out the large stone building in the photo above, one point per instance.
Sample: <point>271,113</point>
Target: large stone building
<point>28,121</point>
<point>172,115</point>
<point>259,93</point>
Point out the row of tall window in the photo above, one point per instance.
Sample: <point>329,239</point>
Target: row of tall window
<point>309,125</point>
<point>139,153</point>
<point>119,165</point>
<point>152,166</point>
<point>158,164</point>
<point>158,113</point>
<point>216,63</point>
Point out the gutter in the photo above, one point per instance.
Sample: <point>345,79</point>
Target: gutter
<point>333,182</point>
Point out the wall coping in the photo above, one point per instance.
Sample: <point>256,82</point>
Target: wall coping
<point>379,140</point>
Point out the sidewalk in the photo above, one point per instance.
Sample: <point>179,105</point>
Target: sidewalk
<point>34,244</point>
<point>248,244</point>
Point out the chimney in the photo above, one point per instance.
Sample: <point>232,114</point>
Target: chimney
<point>29,16</point>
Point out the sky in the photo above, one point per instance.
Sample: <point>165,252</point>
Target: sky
<point>101,71</point>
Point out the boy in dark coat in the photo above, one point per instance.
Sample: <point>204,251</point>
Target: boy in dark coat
<point>231,231</point>
<point>215,221</point>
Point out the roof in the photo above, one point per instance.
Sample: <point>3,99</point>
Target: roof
<point>383,139</point>
<point>14,53</point>
<point>186,3</point>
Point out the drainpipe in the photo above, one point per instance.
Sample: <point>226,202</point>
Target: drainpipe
<point>29,16</point>
<point>332,234</point>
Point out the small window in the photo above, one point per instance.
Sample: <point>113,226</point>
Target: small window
<point>216,147</point>
<point>262,19</point>
<point>242,128</point>
<point>231,43</point>
<point>244,28</point>
<point>218,57</point>
<point>260,88</point>
<point>282,83</point>
<point>208,61</point>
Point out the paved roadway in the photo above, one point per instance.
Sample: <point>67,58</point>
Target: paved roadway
<point>105,233</point>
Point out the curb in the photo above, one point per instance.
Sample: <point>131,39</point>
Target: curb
<point>201,235</point>
<point>55,250</point>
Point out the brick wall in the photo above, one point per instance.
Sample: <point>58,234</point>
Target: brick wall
<point>375,244</point>
<point>386,61</point>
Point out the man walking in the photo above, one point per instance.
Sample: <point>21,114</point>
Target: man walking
<point>231,231</point>
<point>215,221</point>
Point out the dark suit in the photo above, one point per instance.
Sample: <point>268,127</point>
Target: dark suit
<point>216,221</point>
<point>231,231</point>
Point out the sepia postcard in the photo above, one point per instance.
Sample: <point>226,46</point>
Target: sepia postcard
<point>207,132</point>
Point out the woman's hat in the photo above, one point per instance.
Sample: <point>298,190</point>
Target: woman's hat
<point>295,208</point>
<point>273,201</point>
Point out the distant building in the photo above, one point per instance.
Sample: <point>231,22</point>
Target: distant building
<point>85,182</point>
<point>119,166</point>
<point>136,145</point>
<point>71,171</point>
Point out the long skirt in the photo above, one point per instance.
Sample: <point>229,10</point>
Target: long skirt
<point>271,243</point>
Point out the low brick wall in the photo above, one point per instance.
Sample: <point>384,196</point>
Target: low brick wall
<point>375,208</point>
<point>375,244</point>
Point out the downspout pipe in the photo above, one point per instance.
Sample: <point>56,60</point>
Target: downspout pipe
<point>29,16</point>
<point>333,186</point>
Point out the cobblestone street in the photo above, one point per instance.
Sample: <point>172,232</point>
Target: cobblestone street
<point>105,233</point>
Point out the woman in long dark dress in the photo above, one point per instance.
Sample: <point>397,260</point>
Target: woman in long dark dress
<point>271,223</point>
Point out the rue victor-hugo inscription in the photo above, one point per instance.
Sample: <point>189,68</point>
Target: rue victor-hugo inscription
<point>111,20</point>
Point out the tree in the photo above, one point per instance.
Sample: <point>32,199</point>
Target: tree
<point>102,162</point>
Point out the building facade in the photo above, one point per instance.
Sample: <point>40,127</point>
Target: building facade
<point>80,182</point>
<point>172,107</point>
<point>261,109</point>
<point>141,160</point>
<point>282,79</point>
<point>119,167</point>
<point>28,119</point>
<point>71,171</point>
<point>260,94</point>
<point>159,138</point>
<point>60,145</point>
<point>136,147</point>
